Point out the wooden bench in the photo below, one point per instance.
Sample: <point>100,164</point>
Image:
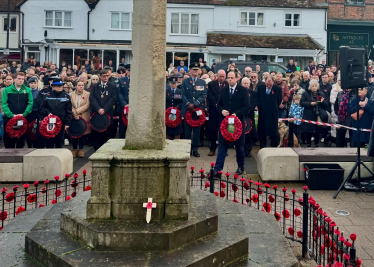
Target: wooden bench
<point>286,164</point>
<point>29,165</point>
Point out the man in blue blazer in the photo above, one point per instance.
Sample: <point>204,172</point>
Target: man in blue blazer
<point>123,100</point>
<point>194,93</point>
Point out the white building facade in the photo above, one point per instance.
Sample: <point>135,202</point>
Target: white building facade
<point>13,52</point>
<point>74,31</point>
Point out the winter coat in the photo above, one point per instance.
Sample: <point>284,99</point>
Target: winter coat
<point>83,110</point>
<point>311,112</point>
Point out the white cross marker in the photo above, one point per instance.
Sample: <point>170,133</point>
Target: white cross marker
<point>149,207</point>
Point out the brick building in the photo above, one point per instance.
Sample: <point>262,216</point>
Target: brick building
<point>350,22</point>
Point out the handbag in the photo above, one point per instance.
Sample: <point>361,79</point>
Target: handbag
<point>360,113</point>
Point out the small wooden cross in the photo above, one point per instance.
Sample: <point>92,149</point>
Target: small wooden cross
<point>149,207</point>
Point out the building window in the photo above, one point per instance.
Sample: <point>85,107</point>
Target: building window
<point>58,19</point>
<point>182,23</point>
<point>251,19</point>
<point>292,20</point>
<point>13,24</point>
<point>120,21</point>
<point>355,2</point>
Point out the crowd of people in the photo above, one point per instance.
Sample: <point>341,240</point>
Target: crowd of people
<point>314,93</point>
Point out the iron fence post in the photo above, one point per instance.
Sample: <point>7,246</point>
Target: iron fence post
<point>2,211</point>
<point>212,179</point>
<point>290,133</point>
<point>305,224</point>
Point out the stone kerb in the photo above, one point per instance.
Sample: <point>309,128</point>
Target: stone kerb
<point>278,164</point>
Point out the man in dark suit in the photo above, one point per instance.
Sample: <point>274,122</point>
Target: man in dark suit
<point>123,100</point>
<point>234,101</point>
<point>102,98</point>
<point>193,95</point>
<point>214,91</point>
<point>269,101</point>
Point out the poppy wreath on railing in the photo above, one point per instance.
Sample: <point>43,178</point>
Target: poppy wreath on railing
<point>125,115</point>
<point>50,130</point>
<point>195,123</point>
<point>13,129</point>
<point>31,130</point>
<point>173,120</point>
<point>231,132</point>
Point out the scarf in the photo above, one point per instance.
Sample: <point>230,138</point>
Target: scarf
<point>343,106</point>
<point>78,99</point>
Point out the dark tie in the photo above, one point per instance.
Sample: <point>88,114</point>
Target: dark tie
<point>231,92</point>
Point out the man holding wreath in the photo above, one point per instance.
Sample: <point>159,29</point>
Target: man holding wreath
<point>234,101</point>
<point>17,101</point>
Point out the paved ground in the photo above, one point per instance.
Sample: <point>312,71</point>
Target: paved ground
<point>359,205</point>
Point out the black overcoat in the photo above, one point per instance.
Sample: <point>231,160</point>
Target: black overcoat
<point>214,91</point>
<point>268,106</point>
<point>253,102</point>
<point>310,112</point>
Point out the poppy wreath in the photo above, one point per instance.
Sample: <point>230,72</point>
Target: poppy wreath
<point>195,123</point>
<point>173,123</point>
<point>29,132</point>
<point>231,137</point>
<point>100,131</point>
<point>18,132</point>
<point>43,128</point>
<point>124,116</point>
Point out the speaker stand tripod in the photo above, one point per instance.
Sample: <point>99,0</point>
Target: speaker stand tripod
<point>359,161</point>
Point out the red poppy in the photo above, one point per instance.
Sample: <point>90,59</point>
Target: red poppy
<point>227,174</point>
<point>287,198</point>
<point>246,186</point>
<point>31,198</point>
<point>58,192</point>
<point>46,182</point>
<point>299,234</point>
<point>222,193</point>
<point>319,97</point>
<point>41,205</point>
<point>74,183</point>
<point>291,231</point>
<point>293,191</point>
<point>84,171</point>
<point>242,179</point>
<point>247,200</point>
<point>347,243</point>
<point>68,198</point>
<point>284,189</point>
<point>216,193</point>
<point>305,187</point>
<point>74,194</point>
<point>301,202</point>
<point>223,185</point>
<point>36,183</point>
<point>87,188</point>
<point>297,212</point>
<point>358,262</point>
<point>267,207</point>
<point>192,168</point>
<point>235,200</point>
<point>250,181</point>
<point>259,191</point>
<point>207,184</point>
<point>272,92</point>
<point>258,183</point>
<point>201,171</point>
<point>254,198</point>
<point>266,185</point>
<point>275,187</point>
<point>9,197</point>
<point>234,187</point>
<point>82,97</point>
<point>57,177</point>
<point>4,190</point>
<point>220,172</point>
<point>53,201</point>
<point>353,237</point>
<point>15,188</point>
<point>25,186</point>
<point>286,214</point>
<point>212,164</point>
<point>19,210</point>
<point>3,215</point>
<point>67,175</point>
<point>236,176</point>
<point>277,216</point>
<point>271,199</point>
<point>44,190</point>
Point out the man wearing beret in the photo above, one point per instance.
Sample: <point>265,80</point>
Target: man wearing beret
<point>194,93</point>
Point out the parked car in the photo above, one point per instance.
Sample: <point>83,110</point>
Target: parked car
<point>265,66</point>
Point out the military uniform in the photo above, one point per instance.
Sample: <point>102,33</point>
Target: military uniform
<point>194,93</point>
<point>174,99</point>
<point>123,100</point>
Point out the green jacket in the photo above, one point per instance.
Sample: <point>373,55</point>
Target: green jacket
<point>17,102</point>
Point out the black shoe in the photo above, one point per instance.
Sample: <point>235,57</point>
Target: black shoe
<point>239,171</point>
<point>248,155</point>
<point>196,154</point>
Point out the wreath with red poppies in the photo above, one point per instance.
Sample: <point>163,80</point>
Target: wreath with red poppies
<point>31,131</point>
<point>173,120</point>
<point>195,123</point>
<point>50,130</point>
<point>13,129</point>
<point>125,115</point>
<point>231,132</point>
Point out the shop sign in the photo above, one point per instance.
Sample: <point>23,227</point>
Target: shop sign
<point>338,39</point>
<point>225,50</point>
